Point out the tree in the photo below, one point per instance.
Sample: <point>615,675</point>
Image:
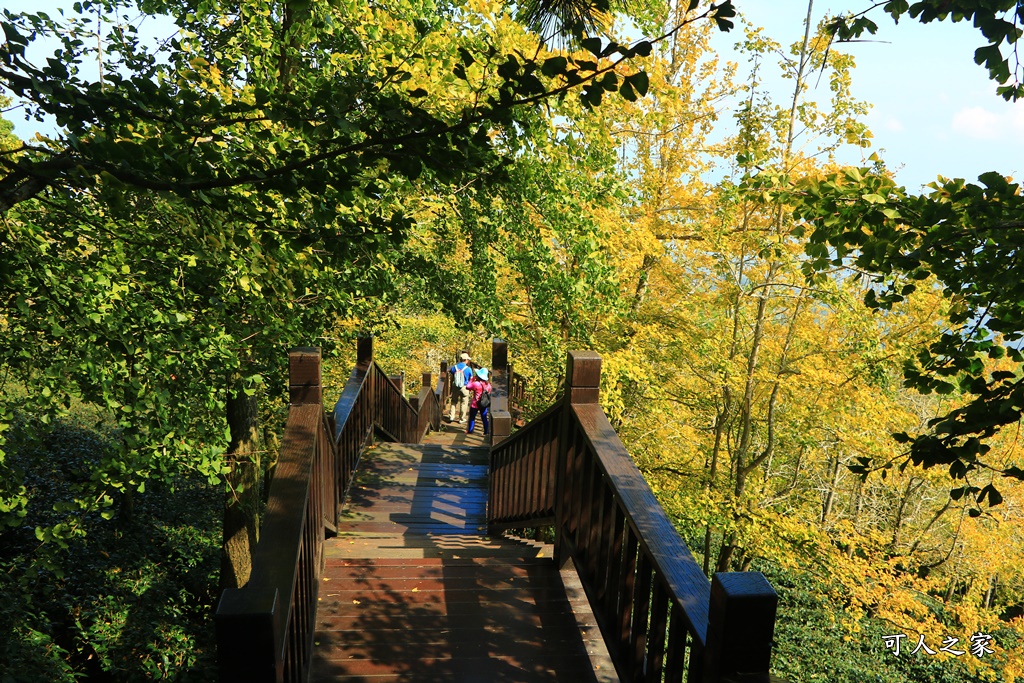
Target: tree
<point>961,238</point>
<point>997,21</point>
<point>233,194</point>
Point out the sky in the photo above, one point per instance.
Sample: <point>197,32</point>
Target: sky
<point>934,110</point>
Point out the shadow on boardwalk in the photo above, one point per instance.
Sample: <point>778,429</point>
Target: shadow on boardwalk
<point>415,590</point>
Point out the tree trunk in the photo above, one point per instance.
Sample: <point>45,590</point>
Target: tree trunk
<point>897,524</point>
<point>990,594</point>
<point>720,427</point>
<point>243,502</point>
<point>830,497</point>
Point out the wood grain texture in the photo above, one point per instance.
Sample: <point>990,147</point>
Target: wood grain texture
<point>415,590</point>
<point>659,540</point>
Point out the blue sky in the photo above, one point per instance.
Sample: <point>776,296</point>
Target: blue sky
<point>934,110</point>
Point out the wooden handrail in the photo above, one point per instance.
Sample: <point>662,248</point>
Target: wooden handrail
<point>655,535</point>
<point>521,486</point>
<point>650,597</point>
<point>429,406</point>
<point>265,629</point>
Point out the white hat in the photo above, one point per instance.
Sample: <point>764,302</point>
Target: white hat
<point>464,356</point>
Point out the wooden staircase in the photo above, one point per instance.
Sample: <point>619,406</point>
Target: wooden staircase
<point>415,590</point>
<point>375,564</point>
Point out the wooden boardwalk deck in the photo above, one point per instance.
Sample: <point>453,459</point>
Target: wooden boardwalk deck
<point>414,589</point>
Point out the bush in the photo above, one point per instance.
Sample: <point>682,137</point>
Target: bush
<point>128,598</point>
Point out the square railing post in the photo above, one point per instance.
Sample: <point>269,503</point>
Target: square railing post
<point>741,624</point>
<point>305,384</point>
<point>364,354</point>
<point>247,639</point>
<point>444,386</point>
<point>501,418</point>
<point>582,385</point>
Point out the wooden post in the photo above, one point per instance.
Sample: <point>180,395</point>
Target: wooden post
<point>583,377</point>
<point>501,419</point>
<point>741,623</point>
<point>304,380</point>
<point>582,382</point>
<point>247,641</point>
<point>364,354</point>
<point>442,387</point>
<point>364,348</point>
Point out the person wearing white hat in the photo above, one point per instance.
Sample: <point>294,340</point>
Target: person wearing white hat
<point>461,374</point>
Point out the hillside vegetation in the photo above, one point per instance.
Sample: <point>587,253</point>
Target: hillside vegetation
<point>817,371</point>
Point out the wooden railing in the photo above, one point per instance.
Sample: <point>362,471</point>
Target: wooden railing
<point>265,629</point>
<point>516,395</point>
<point>522,484</point>
<point>660,616</point>
<point>429,406</point>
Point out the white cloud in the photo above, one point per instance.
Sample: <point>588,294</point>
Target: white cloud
<point>980,123</point>
<point>894,125</point>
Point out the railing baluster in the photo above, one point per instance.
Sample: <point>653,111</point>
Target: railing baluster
<point>675,660</point>
<point>695,662</point>
<point>641,612</point>
<point>649,595</point>
<point>626,584</point>
<point>656,636</point>
<point>604,542</point>
<point>613,591</point>
<point>596,505</point>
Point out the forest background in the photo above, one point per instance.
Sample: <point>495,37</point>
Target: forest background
<point>287,174</point>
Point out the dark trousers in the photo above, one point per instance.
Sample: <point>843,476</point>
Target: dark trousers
<point>484,415</point>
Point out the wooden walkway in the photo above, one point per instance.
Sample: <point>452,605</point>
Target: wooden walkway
<point>414,589</point>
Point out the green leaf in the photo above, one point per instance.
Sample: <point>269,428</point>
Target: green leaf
<point>643,48</point>
<point>592,45</point>
<point>640,82</point>
<point>554,66</point>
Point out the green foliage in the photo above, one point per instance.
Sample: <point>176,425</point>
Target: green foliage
<point>130,599</point>
<point>998,21</point>
<point>965,238</point>
<point>814,642</point>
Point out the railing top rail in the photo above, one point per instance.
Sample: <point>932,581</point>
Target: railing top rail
<point>658,537</point>
<point>394,386</point>
<point>274,561</point>
<point>433,396</point>
<point>350,394</point>
<point>524,433</point>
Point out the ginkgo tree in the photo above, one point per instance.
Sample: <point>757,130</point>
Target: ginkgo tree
<point>234,192</point>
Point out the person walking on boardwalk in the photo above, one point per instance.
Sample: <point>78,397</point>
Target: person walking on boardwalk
<point>462,373</point>
<point>481,401</point>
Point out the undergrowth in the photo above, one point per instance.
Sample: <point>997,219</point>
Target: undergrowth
<point>129,600</point>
